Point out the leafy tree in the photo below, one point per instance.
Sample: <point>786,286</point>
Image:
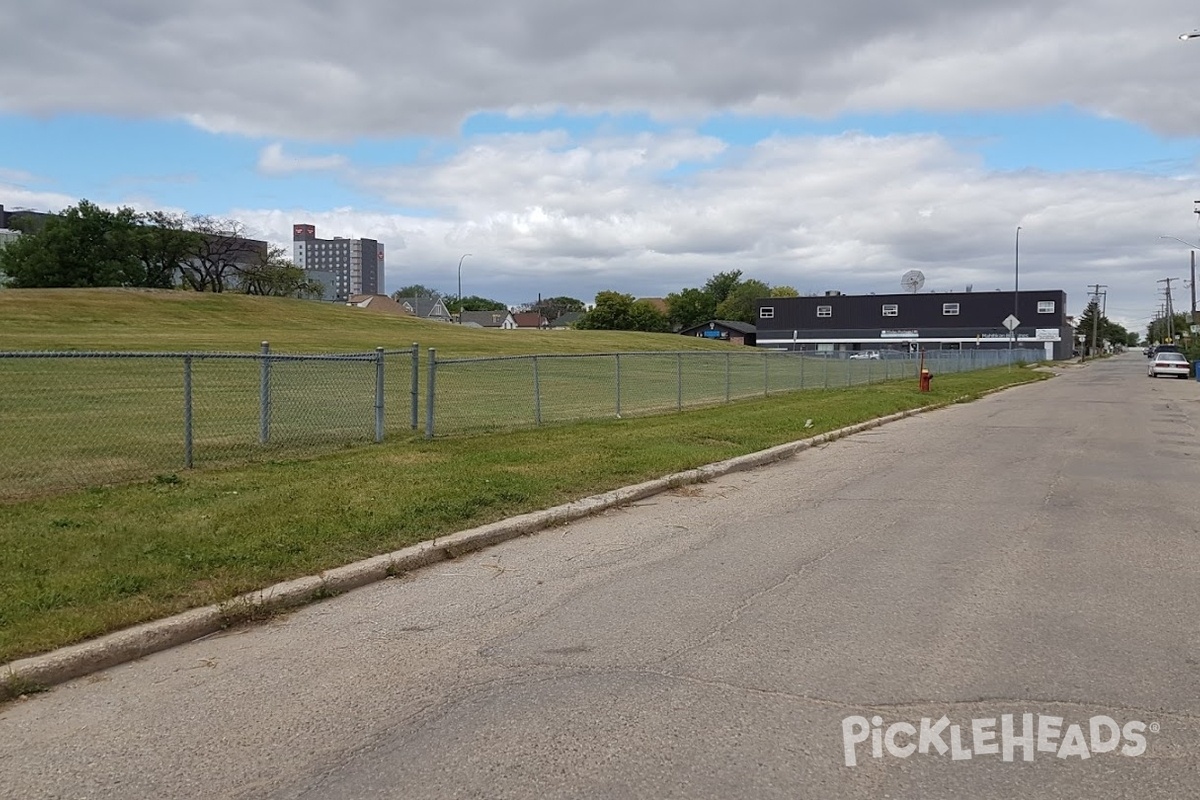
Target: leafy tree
<point>554,307</point>
<point>84,246</point>
<point>784,291</point>
<point>739,304</point>
<point>274,275</point>
<point>416,290</point>
<point>164,246</point>
<point>472,303</point>
<point>721,285</point>
<point>614,311</point>
<point>690,307</point>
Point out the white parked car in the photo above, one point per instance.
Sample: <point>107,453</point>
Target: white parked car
<point>1168,364</point>
<point>871,354</point>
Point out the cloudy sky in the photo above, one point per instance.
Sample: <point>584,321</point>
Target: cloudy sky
<point>573,146</point>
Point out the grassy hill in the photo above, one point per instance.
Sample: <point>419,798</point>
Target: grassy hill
<point>158,320</point>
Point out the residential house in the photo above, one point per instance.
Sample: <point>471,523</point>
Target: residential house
<point>487,319</point>
<point>426,308</point>
<point>566,320</point>
<point>378,302</point>
<point>530,319</point>
<point>725,330</point>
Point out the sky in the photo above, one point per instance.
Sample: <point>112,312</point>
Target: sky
<point>576,146</point>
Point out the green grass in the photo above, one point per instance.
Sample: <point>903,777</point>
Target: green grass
<point>88,562</point>
<point>160,320</point>
<point>74,422</point>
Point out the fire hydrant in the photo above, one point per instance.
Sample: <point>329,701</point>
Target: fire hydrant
<point>926,379</point>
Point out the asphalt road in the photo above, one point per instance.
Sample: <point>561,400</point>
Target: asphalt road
<point>1035,552</point>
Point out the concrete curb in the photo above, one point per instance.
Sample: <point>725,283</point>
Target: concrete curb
<point>130,644</point>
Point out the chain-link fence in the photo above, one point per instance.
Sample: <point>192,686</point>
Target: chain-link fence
<point>70,419</point>
<point>467,395</point>
<point>73,419</point>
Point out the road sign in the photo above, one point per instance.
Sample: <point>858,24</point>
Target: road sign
<point>1011,322</point>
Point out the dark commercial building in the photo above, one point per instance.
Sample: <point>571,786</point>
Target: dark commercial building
<point>355,264</point>
<point>931,321</point>
<point>725,330</point>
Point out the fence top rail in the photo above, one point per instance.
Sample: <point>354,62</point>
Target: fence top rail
<point>746,352</point>
<point>99,354</point>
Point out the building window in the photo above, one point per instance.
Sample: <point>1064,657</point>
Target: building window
<point>1045,306</point>
<point>824,311</point>
<point>950,309</point>
<point>891,310</point>
<point>766,312</point>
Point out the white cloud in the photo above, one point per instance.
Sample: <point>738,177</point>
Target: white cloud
<point>541,214</point>
<point>273,161</point>
<point>307,70</point>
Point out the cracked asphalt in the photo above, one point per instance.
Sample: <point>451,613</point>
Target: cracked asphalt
<point>1035,552</point>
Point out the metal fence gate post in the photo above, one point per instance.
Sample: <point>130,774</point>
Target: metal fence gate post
<point>187,411</point>
<point>429,393</point>
<point>378,394</point>
<point>537,394</point>
<point>264,395</point>
<point>618,379</point>
<point>416,383</point>
<point>679,381</point>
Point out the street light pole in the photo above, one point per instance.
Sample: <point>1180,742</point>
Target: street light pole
<point>459,298</point>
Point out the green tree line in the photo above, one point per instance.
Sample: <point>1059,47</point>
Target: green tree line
<point>88,246</point>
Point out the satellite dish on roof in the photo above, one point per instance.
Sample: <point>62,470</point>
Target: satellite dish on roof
<point>912,281</point>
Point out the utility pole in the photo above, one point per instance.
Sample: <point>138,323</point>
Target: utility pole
<point>1194,284</point>
<point>1170,309</point>
<point>1096,287</point>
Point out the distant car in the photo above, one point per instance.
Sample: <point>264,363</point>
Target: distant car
<point>871,354</point>
<point>1169,364</point>
<point>1149,351</point>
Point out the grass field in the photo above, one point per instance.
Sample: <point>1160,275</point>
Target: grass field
<point>81,563</point>
<point>85,563</point>
<point>86,421</point>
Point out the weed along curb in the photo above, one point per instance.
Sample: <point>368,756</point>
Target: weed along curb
<point>39,672</point>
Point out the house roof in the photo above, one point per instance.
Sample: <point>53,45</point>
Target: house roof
<point>377,302</point>
<point>484,319</point>
<point>566,319</point>
<point>731,324</point>
<point>424,306</point>
<point>529,319</point>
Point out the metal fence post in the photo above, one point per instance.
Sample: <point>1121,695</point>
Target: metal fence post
<point>801,357</point>
<point>766,374</point>
<point>264,395</point>
<point>378,394</point>
<point>187,411</point>
<point>849,371</point>
<point>618,379</point>
<point>416,383</point>
<point>825,379</point>
<point>537,394</point>
<point>868,372</point>
<point>679,381</point>
<point>429,393</point>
